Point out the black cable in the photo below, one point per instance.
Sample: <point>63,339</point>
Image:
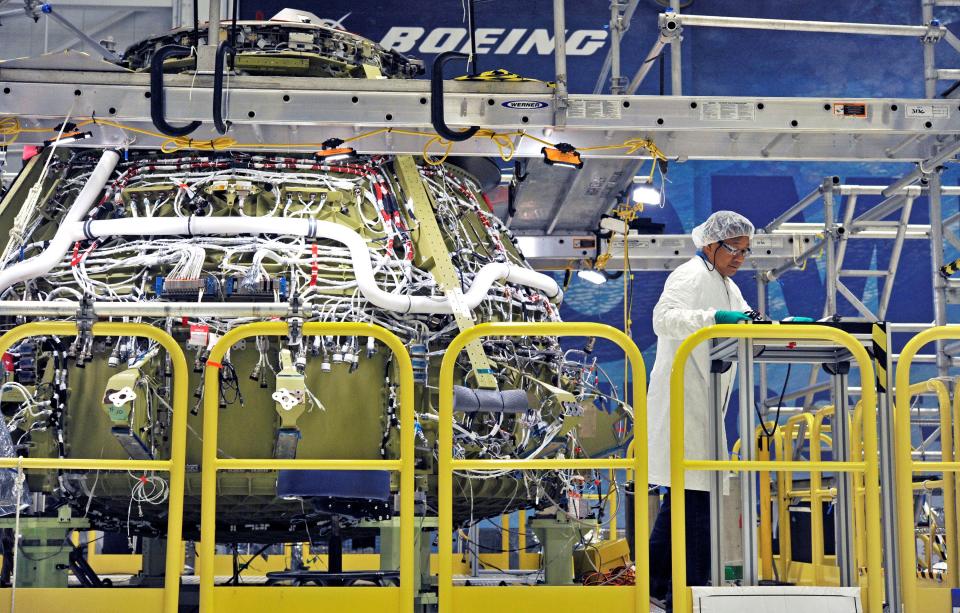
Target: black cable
<point>472,30</point>
<point>196,23</point>
<point>776,422</point>
<point>663,85</point>
<point>706,261</point>
<point>235,579</point>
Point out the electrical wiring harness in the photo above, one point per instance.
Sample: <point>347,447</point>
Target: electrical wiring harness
<point>330,240</point>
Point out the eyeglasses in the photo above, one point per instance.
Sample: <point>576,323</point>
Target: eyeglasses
<point>744,253</point>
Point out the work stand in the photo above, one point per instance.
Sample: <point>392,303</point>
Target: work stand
<point>835,361</point>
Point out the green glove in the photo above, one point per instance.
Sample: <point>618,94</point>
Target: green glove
<point>729,317</point>
<point>797,320</point>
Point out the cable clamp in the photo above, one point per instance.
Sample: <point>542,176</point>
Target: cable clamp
<point>85,317</point>
<point>294,322</point>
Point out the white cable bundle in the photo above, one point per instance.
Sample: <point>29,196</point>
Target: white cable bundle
<point>151,490</point>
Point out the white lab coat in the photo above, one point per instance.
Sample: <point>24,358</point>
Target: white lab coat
<point>691,296</point>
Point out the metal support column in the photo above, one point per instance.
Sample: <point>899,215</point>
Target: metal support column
<point>888,494</point>
<point>748,494</point>
<point>829,247</point>
<point>843,514</point>
<point>936,260</point>
<point>715,425</point>
<point>929,52</point>
<point>616,31</point>
<point>473,533</point>
<point>560,63</point>
<point>676,74</point>
<point>761,307</point>
<point>207,54</point>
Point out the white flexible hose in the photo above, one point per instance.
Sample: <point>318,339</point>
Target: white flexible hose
<point>47,259</point>
<point>68,233</point>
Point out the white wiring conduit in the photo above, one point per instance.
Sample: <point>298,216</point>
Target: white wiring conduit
<point>48,259</point>
<point>72,230</point>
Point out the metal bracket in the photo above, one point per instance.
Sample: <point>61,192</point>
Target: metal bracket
<point>934,32</point>
<point>836,368</point>
<point>122,397</point>
<point>286,399</point>
<point>85,318</point>
<point>295,322</point>
<point>671,26</point>
<point>720,366</point>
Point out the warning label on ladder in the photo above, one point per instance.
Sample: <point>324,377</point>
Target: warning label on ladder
<point>727,110</point>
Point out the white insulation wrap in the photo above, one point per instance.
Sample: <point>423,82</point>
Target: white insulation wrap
<point>68,233</point>
<point>50,257</point>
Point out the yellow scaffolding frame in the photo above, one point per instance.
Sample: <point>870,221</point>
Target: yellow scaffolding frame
<point>906,466</point>
<point>528,598</point>
<point>679,464</point>
<point>175,465</point>
<point>295,597</point>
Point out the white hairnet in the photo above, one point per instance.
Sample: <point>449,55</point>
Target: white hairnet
<point>721,226</point>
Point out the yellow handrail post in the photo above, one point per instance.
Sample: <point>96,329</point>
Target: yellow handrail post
<point>175,465</point>
<point>614,507</point>
<point>766,515</point>
<point>859,500</point>
<point>504,538</point>
<point>817,553</point>
<point>949,490</point>
<point>679,464</point>
<point>955,418</point>
<point>784,483</point>
<point>211,463</point>
<point>905,466</point>
<point>447,464</point>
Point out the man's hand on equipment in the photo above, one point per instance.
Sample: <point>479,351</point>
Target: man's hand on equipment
<point>730,317</point>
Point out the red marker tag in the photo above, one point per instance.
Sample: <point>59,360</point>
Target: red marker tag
<point>199,334</point>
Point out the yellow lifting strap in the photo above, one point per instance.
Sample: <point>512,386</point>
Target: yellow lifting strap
<point>501,75</point>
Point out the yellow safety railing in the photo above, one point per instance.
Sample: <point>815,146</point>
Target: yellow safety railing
<point>679,464</point>
<point>523,598</point>
<point>765,545</point>
<point>817,431</point>
<point>212,464</point>
<point>947,486</point>
<point>175,465</point>
<point>906,466</point>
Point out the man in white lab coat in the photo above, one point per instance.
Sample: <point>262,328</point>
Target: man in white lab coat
<point>697,294</point>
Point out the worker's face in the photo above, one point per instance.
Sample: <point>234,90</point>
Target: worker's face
<point>728,256</point>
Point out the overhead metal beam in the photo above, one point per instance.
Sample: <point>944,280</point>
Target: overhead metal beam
<point>692,127</point>
<point>793,25</point>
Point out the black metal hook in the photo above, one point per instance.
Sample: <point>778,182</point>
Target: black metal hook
<point>436,100</point>
<point>157,113</point>
<point>222,52</point>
